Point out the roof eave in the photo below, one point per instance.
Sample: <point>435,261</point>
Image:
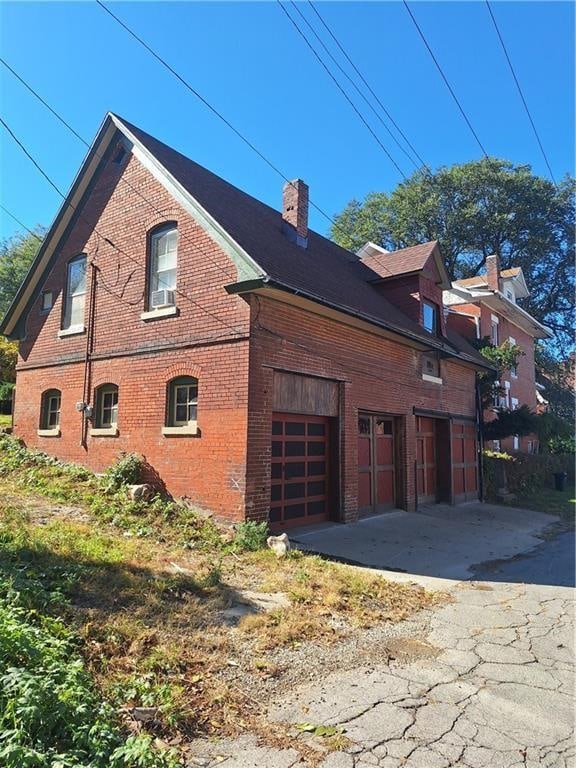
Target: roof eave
<point>445,347</point>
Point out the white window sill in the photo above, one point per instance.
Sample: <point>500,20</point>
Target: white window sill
<point>74,330</point>
<point>48,432</point>
<point>432,379</point>
<point>104,432</point>
<point>156,314</point>
<point>186,429</point>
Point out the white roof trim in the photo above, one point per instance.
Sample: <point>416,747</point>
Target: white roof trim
<point>247,267</point>
<point>371,249</point>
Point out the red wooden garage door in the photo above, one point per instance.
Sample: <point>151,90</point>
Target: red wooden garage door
<point>300,470</point>
<point>376,491</point>
<point>426,470</point>
<point>464,461</point>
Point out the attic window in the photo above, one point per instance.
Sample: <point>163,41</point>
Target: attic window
<point>119,155</point>
<point>47,301</point>
<point>430,317</point>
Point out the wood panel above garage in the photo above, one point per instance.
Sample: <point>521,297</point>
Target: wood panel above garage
<point>305,394</point>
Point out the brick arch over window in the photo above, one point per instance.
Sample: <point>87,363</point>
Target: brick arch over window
<point>182,402</point>
<point>183,369</point>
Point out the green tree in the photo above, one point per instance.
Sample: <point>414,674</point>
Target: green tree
<point>476,209</point>
<point>16,256</point>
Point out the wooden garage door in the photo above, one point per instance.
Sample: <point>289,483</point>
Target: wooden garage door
<point>426,470</point>
<point>464,461</point>
<point>300,470</point>
<point>376,470</point>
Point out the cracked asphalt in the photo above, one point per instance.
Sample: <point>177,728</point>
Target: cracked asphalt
<point>498,694</point>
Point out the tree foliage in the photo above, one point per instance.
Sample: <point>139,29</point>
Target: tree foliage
<point>16,256</point>
<point>476,209</point>
<point>504,357</point>
<point>521,421</point>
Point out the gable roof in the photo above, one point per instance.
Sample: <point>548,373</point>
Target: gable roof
<point>390,264</point>
<point>252,232</point>
<point>482,279</point>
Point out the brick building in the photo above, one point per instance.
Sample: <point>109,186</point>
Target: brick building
<point>263,371</point>
<point>486,306</point>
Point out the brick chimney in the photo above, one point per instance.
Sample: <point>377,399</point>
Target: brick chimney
<point>295,211</point>
<point>493,272</point>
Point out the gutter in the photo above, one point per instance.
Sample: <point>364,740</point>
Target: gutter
<point>266,281</point>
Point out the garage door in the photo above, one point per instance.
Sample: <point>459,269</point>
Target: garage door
<point>464,461</point>
<point>376,492</point>
<point>426,470</point>
<point>300,470</point>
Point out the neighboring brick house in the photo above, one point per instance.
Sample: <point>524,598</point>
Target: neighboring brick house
<point>486,306</point>
<point>263,371</point>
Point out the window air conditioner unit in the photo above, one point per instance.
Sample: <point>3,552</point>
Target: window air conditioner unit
<point>164,298</point>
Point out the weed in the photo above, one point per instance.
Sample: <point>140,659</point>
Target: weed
<point>126,471</point>
<point>250,536</point>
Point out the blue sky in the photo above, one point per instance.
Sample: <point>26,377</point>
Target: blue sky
<point>250,63</point>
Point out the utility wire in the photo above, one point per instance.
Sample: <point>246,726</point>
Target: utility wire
<point>520,91</point>
<point>207,104</point>
<point>100,157</point>
<point>17,220</point>
<point>352,82</point>
<point>99,234</point>
<point>342,91</point>
<point>439,68</point>
<point>366,83</point>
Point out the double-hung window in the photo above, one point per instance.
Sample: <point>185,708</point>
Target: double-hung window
<point>106,411</point>
<point>163,264</point>
<point>75,298</point>
<point>50,413</point>
<point>182,406</point>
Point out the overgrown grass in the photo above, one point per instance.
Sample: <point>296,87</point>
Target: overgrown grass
<point>136,603</point>
<point>550,501</point>
<point>5,420</point>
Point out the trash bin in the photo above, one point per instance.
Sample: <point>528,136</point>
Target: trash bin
<point>559,480</point>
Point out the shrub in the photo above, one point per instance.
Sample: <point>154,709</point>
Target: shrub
<point>251,536</point>
<point>126,471</point>
<point>525,473</point>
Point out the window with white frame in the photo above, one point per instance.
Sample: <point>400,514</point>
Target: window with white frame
<point>506,396</point>
<point>162,267</point>
<point>75,298</point>
<point>50,409</point>
<point>182,402</point>
<point>514,403</point>
<point>106,416</point>
<point>496,445</point>
<point>494,337</point>
<point>516,443</point>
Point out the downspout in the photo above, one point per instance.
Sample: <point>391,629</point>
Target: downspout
<point>480,424</point>
<point>88,353</point>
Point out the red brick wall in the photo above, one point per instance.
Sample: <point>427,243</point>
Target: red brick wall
<point>403,292</point>
<point>375,374</point>
<point>207,340</point>
<point>522,387</point>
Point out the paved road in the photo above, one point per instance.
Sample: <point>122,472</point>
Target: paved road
<point>552,562</point>
<point>498,695</point>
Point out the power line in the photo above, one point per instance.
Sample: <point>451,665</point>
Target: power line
<point>520,91</point>
<point>439,68</point>
<point>366,83</point>
<point>342,91</point>
<point>352,82</point>
<point>207,104</point>
<point>96,231</point>
<point>122,178</point>
<point>17,220</point>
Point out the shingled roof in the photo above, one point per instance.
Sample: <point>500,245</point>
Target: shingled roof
<point>478,280</point>
<point>323,271</point>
